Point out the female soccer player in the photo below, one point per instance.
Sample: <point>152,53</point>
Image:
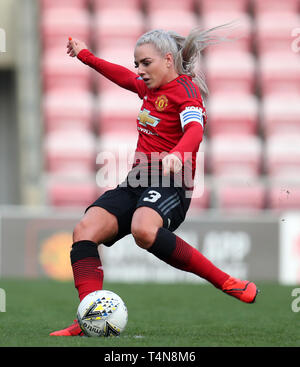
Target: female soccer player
<point>170,124</point>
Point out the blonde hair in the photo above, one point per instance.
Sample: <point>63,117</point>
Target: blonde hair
<point>185,50</point>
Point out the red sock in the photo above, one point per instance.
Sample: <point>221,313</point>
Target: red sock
<point>87,268</point>
<point>176,252</point>
<point>201,266</point>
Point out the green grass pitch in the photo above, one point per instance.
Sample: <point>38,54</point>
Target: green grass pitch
<point>160,315</point>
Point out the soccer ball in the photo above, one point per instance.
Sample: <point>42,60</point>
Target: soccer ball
<point>102,313</point>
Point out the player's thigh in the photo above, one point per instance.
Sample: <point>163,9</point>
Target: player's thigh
<point>113,219</point>
<point>97,225</point>
<point>157,207</point>
<point>170,203</point>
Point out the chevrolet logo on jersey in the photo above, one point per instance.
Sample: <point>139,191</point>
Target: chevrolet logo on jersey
<point>145,118</point>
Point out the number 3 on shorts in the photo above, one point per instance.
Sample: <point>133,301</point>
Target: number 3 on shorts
<point>153,196</point>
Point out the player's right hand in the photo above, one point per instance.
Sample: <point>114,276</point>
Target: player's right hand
<point>75,46</point>
<point>171,163</point>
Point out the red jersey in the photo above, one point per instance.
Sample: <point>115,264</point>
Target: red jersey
<point>160,121</point>
<point>172,117</point>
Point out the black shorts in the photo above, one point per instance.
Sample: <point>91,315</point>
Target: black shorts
<point>171,203</point>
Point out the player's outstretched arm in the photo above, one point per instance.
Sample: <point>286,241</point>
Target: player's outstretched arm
<point>120,75</point>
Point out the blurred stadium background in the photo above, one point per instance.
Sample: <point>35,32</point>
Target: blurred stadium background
<point>56,115</point>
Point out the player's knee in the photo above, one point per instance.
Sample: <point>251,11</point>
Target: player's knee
<point>96,227</point>
<point>143,236</point>
<point>81,231</point>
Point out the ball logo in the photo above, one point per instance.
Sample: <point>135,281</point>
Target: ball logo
<point>161,103</point>
<point>102,313</point>
<point>101,308</point>
<point>110,330</point>
<point>94,311</point>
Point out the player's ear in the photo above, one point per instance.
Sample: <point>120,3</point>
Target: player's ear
<point>169,59</point>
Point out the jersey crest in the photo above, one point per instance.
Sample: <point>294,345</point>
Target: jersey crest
<point>161,103</point>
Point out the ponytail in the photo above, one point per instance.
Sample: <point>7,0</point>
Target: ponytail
<point>185,50</point>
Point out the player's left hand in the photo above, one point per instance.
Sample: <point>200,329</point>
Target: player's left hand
<point>171,163</point>
<point>74,46</point>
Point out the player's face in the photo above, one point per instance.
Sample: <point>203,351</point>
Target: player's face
<point>152,67</point>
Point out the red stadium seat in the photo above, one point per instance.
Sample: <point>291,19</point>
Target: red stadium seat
<point>200,203</point>
<point>282,155</point>
<point>123,55</point>
<point>232,114</point>
<point>284,195</point>
<point>69,192</point>
<point>118,111</point>
<point>60,71</point>
<point>238,196</point>
<point>75,4</point>
<point>230,71</point>
<point>208,6</point>
<point>179,21</point>
<point>116,152</point>
<point>275,6</point>
<point>273,31</point>
<point>100,5</point>
<point>114,27</point>
<point>281,114</point>
<point>118,143</point>
<point>235,156</point>
<point>66,109</point>
<point>70,151</point>
<point>279,72</point>
<point>57,24</point>
<point>154,5</point>
<point>238,34</point>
